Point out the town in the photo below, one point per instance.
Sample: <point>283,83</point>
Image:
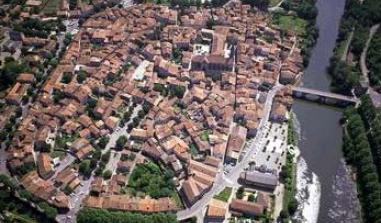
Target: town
<point>153,109</point>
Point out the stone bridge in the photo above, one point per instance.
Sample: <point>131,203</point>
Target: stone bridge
<point>323,97</point>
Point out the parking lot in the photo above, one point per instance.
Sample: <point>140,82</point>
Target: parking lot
<point>272,154</point>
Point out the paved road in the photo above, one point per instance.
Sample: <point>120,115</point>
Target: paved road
<point>221,180</point>
<point>67,161</point>
<point>76,201</point>
<point>115,155</point>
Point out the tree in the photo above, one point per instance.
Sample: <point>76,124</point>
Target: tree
<point>84,168</point>
<point>177,91</point>
<point>107,174</point>
<point>240,192</point>
<point>141,114</point>
<point>86,215</point>
<point>103,141</point>
<point>81,76</point>
<point>198,3</point>
<point>10,72</point>
<point>120,142</point>
<point>284,214</point>
<point>106,157</point>
<point>49,211</point>
<point>292,206</point>
<point>251,198</point>
<point>66,78</point>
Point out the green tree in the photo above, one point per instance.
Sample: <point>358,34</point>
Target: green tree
<point>292,206</point>
<point>49,211</point>
<point>120,142</point>
<point>81,76</point>
<point>84,168</point>
<point>107,174</point>
<point>239,193</point>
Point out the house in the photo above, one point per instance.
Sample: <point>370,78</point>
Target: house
<point>263,180</point>
<point>68,178</point>
<point>201,178</point>
<point>127,203</point>
<point>236,142</point>
<point>44,166</point>
<point>16,94</point>
<point>216,211</point>
<point>45,190</point>
<point>138,134</point>
<point>26,78</point>
<point>246,208</point>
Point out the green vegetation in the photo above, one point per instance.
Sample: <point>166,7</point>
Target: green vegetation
<point>103,142</point>
<point>344,76</point>
<point>287,176</point>
<point>224,195</point>
<point>63,139</point>
<point>291,134</point>
<point>359,153</point>
<point>49,211</point>
<point>290,22</point>
<point>374,61</point>
<point>303,23</point>
<point>372,120</point>
<point>66,78</point>
<point>87,215</point>
<point>107,174</point>
<point>10,71</point>
<point>85,168</point>
<point>177,55</point>
<point>240,192</point>
<point>177,91</point>
<point>32,27</point>
<point>193,149</point>
<point>205,135</point>
<point>17,217</point>
<point>19,210</point>
<point>151,180</point>
<point>358,17</point>
<point>81,76</point>
<point>120,142</point>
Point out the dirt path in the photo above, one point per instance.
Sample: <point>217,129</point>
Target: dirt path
<point>345,52</point>
<point>364,68</point>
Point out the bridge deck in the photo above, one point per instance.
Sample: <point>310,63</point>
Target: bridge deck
<point>325,94</point>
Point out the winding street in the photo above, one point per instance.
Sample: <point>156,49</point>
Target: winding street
<point>231,178</point>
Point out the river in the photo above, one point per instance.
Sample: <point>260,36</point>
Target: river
<point>325,190</point>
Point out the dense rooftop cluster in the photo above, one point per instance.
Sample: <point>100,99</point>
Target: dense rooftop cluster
<point>202,79</point>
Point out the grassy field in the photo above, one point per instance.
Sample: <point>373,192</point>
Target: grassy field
<point>339,50</point>
<point>224,195</point>
<point>289,22</point>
